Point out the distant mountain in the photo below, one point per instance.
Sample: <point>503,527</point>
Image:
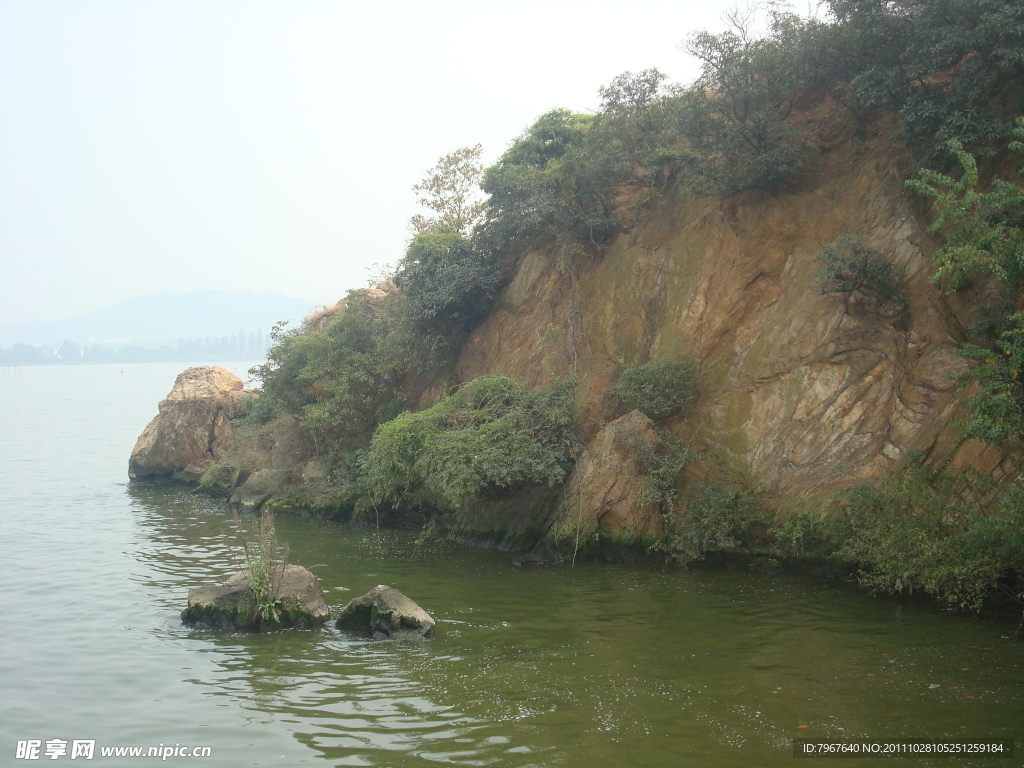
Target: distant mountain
<point>162,318</point>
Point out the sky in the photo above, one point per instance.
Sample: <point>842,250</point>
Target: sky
<point>271,145</point>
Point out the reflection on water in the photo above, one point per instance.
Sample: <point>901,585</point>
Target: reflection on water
<point>565,665</point>
<point>595,665</point>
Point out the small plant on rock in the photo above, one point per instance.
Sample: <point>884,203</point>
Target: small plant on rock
<point>849,265</point>
<point>265,562</point>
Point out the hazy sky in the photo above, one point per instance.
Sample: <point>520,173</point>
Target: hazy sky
<point>150,145</point>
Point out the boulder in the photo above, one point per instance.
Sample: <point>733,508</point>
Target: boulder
<point>191,429</point>
<point>605,493</point>
<point>386,613</point>
<point>231,605</point>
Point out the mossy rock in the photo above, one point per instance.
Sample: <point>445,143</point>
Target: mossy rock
<point>386,614</point>
<point>298,602</point>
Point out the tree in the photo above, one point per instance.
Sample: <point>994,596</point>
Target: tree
<point>735,114</point>
<point>985,237</point>
<point>446,281</point>
<point>452,190</point>
<point>942,63</point>
<point>552,181</point>
<point>637,125</point>
<point>69,352</point>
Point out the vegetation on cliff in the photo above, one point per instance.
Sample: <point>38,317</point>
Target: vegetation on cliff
<point>371,384</point>
<point>957,536</point>
<point>985,240</point>
<point>921,529</point>
<point>489,439</point>
<point>659,389</point>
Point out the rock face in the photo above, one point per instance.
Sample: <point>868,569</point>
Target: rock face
<point>605,492</point>
<point>230,605</point>
<point>386,613</point>
<point>190,431</point>
<point>803,392</point>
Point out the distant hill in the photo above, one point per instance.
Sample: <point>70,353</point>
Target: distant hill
<point>162,318</point>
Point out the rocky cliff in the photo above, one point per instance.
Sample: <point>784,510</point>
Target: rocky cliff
<point>802,391</point>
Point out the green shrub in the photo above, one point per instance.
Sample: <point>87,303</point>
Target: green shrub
<point>342,380</point>
<point>447,283</point>
<point>941,64</point>
<point>814,531</point>
<point>636,130</point>
<point>717,514</point>
<point>849,265</point>
<point>997,410</point>
<point>280,387</point>
<point>922,529</point>
<point>735,114</point>
<point>713,514</point>
<point>663,465</point>
<point>658,389</point>
<point>491,437</point>
<point>550,182</point>
<point>985,238</point>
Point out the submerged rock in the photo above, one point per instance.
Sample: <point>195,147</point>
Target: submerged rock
<point>190,431</point>
<point>540,557</point>
<point>231,605</point>
<point>386,613</point>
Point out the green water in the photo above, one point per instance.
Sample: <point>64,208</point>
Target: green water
<point>592,665</point>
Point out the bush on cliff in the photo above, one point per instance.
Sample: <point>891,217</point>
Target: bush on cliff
<point>342,380</point>
<point>941,64</point>
<point>543,186</point>
<point>922,529</point>
<point>446,281</point>
<point>735,115</point>
<point>984,232</point>
<point>489,438</point>
<point>659,389</point>
<point>849,265</point>
<point>718,514</point>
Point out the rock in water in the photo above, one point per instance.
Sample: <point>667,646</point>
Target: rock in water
<point>189,432</point>
<point>386,613</point>
<point>606,491</point>
<point>231,605</point>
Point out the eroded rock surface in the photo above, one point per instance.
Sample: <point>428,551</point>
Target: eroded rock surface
<point>231,605</point>
<point>190,431</point>
<point>802,391</point>
<point>606,490</point>
<point>386,614</point>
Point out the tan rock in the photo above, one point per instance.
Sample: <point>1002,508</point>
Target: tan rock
<point>386,614</point>
<point>190,431</point>
<point>608,490</point>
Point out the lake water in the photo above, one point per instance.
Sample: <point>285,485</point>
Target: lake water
<point>592,665</point>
